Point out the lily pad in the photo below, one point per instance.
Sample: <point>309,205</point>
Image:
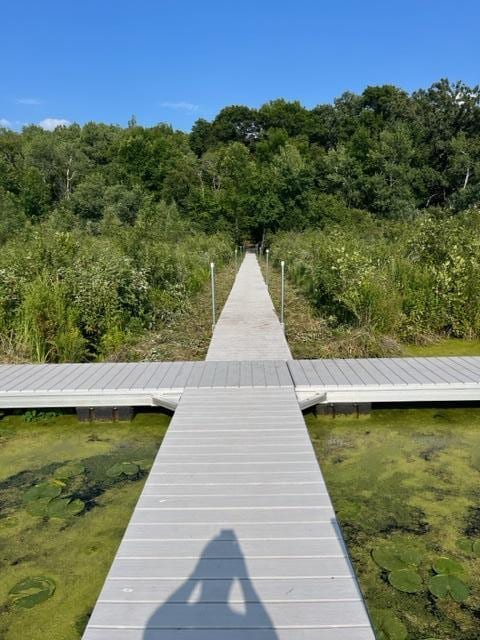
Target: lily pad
<point>123,468</point>
<point>464,544</point>
<point>388,559</point>
<point>406,580</point>
<point>388,626</point>
<point>38,507</point>
<point>69,470</point>
<point>43,490</point>
<point>63,508</point>
<point>410,556</point>
<point>447,566</point>
<point>31,591</point>
<point>443,585</point>
<point>394,557</point>
<point>145,465</point>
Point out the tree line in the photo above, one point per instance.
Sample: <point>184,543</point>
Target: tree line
<point>250,171</point>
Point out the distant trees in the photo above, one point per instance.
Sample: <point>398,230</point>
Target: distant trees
<point>254,171</point>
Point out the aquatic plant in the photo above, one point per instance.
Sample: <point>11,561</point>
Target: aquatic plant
<point>405,580</point>
<point>31,591</point>
<point>64,507</point>
<point>388,626</point>
<point>69,470</point>
<point>401,562</point>
<point>129,469</point>
<point>447,566</point>
<point>44,499</point>
<point>468,546</point>
<point>34,415</point>
<point>443,585</point>
<point>43,490</point>
<point>447,581</point>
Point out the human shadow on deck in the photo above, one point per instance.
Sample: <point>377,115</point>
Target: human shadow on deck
<point>204,603</point>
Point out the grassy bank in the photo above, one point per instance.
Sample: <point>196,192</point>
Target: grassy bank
<point>57,556</point>
<point>446,347</point>
<point>406,482</point>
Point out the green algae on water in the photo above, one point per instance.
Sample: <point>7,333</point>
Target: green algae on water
<point>405,480</point>
<point>54,561</point>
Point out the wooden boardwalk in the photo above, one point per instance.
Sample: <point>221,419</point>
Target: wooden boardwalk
<point>234,536</point>
<point>248,328</point>
<point>149,383</point>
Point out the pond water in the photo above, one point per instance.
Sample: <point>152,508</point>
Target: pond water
<point>405,484</point>
<point>406,488</point>
<point>67,491</point>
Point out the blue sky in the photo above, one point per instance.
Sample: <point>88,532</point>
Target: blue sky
<point>178,60</point>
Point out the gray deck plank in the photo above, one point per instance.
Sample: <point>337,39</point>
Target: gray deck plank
<point>248,328</point>
<point>320,633</point>
<point>209,512</point>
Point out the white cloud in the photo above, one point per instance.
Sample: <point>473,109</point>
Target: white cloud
<point>29,101</point>
<point>183,106</point>
<point>4,123</point>
<point>49,124</point>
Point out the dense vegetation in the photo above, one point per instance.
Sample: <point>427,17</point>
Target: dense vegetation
<point>106,230</point>
<point>391,282</point>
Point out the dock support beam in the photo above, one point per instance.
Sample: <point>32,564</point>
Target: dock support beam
<point>343,409</point>
<point>104,414</point>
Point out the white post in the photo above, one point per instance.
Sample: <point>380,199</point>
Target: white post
<point>282,303</point>
<point>236,261</point>
<point>212,274</point>
<point>266,269</point>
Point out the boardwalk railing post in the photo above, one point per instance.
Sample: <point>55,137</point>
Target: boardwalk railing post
<point>266,269</point>
<point>212,274</point>
<point>282,298</point>
<point>236,261</point>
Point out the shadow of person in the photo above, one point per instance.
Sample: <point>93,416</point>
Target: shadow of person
<point>217,596</point>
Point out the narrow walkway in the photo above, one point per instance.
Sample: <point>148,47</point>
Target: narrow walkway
<point>234,536</point>
<point>248,328</point>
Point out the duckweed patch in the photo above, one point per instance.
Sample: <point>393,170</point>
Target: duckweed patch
<point>62,515</point>
<point>406,495</point>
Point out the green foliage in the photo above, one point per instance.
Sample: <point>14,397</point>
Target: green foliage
<point>388,626</point>
<point>401,562</point>
<point>103,228</point>
<point>44,490</point>
<point>391,279</point>
<point>448,580</point>
<point>64,507</point>
<point>31,591</point>
<point>69,470</point>
<point>405,580</point>
<point>73,295</point>
<point>443,585</point>
<point>469,547</point>
<point>35,415</point>
<point>45,499</point>
<point>129,469</point>
<point>447,566</point>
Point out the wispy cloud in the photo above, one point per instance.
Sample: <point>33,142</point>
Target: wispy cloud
<point>5,124</point>
<point>180,106</point>
<point>49,124</point>
<point>29,101</point>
